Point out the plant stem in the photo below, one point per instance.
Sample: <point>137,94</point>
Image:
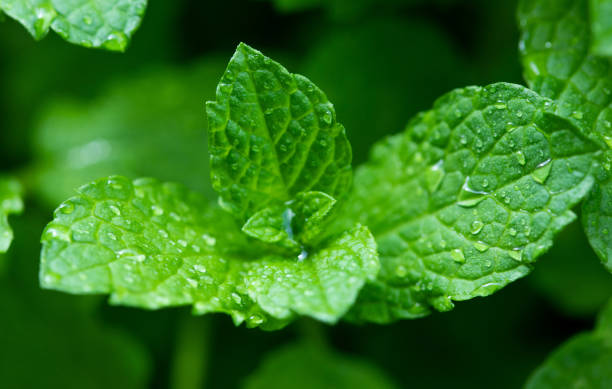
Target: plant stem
<point>191,353</point>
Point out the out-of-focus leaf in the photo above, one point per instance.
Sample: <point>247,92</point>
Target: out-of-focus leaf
<point>10,203</point>
<point>53,341</point>
<point>107,24</point>
<point>376,81</point>
<point>585,361</point>
<point>571,261</point>
<point>312,366</point>
<point>149,126</point>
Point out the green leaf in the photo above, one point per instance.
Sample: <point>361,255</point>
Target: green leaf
<point>155,245</point>
<point>10,203</point>
<point>555,48</point>
<point>312,366</point>
<point>107,24</point>
<point>597,214</point>
<point>601,27</point>
<point>148,126</point>
<point>582,362</point>
<point>273,134</point>
<point>294,224</point>
<point>464,201</point>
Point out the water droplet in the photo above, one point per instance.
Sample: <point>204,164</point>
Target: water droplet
<point>210,240</point>
<point>163,233</point>
<point>182,243</point>
<point>515,254</point>
<point>458,256</point>
<point>401,271</point>
<point>577,115</point>
<point>434,176</point>
<point>476,226</point>
<point>66,208</point>
<point>157,211</point>
<point>520,157</point>
<point>481,246</point>
<point>303,255</point>
<point>542,172</point>
<point>236,297</point>
<point>512,231</point>
<point>608,140</point>
<point>256,320</point>
<point>327,117</point>
<point>115,210</point>
<point>117,41</point>
<point>548,44</point>
<point>87,20</point>
<point>200,268</point>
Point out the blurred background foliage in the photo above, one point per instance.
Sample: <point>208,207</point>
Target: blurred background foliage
<point>69,115</point>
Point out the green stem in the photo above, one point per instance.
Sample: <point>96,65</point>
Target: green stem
<point>191,353</point>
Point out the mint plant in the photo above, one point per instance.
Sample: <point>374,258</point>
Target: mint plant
<point>463,201</point>
<point>107,24</point>
<point>460,204</point>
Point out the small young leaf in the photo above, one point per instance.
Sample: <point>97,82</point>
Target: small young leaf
<point>107,24</point>
<point>273,134</point>
<point>294,224</point>
<point>155,245</point>
<point>585,361</point>
<point>311,366</point>
<point>555,50</point>
<point>453,201</point>
<point>597,214</point>
<point>601,27</point>
<point>10,203</point>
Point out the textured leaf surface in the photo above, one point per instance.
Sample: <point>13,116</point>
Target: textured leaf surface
<point>273,134</point>
<point>555,49</point>
<point>10,203</point>
<point>585,361</point>
<point>597,214</point>
<point>311,366</point>
<point>155,245</point>
<point>601,27</point>
<point>148,126</point>
<point>107,24</point>
<point>464,201</point>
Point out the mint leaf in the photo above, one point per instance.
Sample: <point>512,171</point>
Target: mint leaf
<point>107,24</point>
<point>127,132</point>
<point>307,365</point>
<point>10,203</point>
<point>155,245</point>
<point>601,26</point>
<point>294,224</point>
<point>272,134</point>
<point>464,201</point>
<point>597,214</point>
<point>555,48</point>
<point>582,362</point>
